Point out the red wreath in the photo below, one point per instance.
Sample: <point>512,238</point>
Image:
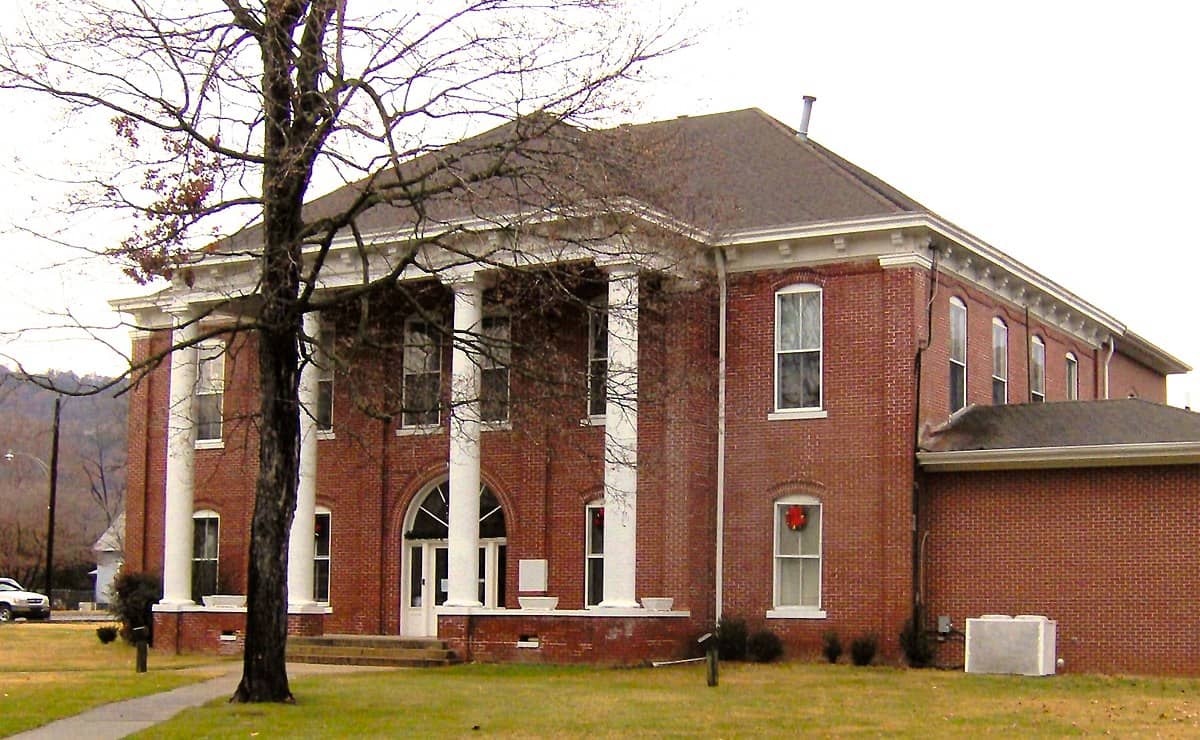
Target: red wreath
<point>598,517</point>
<point>796,518</point>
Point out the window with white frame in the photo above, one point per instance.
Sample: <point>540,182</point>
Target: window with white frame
<point>206,551</point>
<point>958,354</point>
<point>210,390</point>
<point>422,374</point>
<point>324,360</point>
<point>321,536</point>
<point>1072,377</point>
<point>597,369</point>
<point>797,553</point>
<point>798,340</point>
<point>999,362</point>
<point>594,554</point>
<point>1037,370</point>
<point>494,362</point>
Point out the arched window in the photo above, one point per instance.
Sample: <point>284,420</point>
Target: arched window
<point>999,362</point>
<point>958,354</point>
<point>1037,370</point>
<point>797,535</point>
<point>1072,377</point>
<point>798,348</point>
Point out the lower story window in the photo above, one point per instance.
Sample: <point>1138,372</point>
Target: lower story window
<point>798,553</point>
<point>321,557</point>
<point>594,560</point>
<point>206,530</point>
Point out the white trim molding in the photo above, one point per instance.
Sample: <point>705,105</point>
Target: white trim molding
<point>1083,456</point>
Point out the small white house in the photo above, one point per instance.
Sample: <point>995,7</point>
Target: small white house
<point>110,555</point>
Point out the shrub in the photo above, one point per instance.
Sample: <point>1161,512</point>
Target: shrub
<point>916,645</point>
<point>133,596</point>
<point>862,649</point>
<point>106,634</point>
<point>731,638</point>
<point>831,646</point>
<point>764,646</point>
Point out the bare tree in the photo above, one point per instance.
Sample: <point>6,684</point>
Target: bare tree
<point>228,111</point>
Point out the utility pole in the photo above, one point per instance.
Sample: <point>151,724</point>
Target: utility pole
<point>53,496</point>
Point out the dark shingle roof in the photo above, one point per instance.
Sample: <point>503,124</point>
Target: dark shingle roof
<point>718,173</point>
<point>1063,424</point>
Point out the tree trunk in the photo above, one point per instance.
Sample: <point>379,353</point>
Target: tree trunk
<point>264,672</point>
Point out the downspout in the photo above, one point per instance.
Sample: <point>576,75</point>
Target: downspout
<point>1028,358</point>
<point>723,301</point>
<point>1112,349</point>
<point>385,426</point>
<point>918,542</point>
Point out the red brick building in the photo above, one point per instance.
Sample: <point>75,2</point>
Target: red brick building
<point>717,396</point>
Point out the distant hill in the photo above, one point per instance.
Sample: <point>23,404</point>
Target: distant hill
<point>91,473</point>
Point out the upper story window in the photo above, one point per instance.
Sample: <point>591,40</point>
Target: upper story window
<point>494,363</point>
<point>422,374</point>
<point>1072,377</point>
<point>797,525</point>
<point>597,366</point>
<point>798,338</point>
<point>324,361</point>
<point>958,354</point>
<point>206,552</point>
<point>999,362</point>
<point>322,536</point>
<point>1037,370</point>
<point>210,390</point>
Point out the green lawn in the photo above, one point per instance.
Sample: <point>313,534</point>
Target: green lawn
<point>782,700</point>
<point>50,671</point>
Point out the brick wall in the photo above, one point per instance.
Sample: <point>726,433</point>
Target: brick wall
<point>1109,553</point>
<point>857,461</point>
<point>550,639</point>
<point>1128,377</point>
<point>220,632</point>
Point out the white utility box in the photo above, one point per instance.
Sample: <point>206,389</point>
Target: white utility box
<point>1022,645</point>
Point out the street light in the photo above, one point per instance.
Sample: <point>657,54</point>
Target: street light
<point>51,471</point>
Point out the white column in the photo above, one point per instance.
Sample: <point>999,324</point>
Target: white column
<point>620,441</point>
<point>464,446</point>
<point>181,452</point>
<point>302,539</point>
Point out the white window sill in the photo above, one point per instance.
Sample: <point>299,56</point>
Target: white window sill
<point>496,426</point>
<point>210,444</point>
<point>326,434</point>
<point>595,420</point>
<point>421,430</point>
<point>797,414</point>
<point>796,612</point>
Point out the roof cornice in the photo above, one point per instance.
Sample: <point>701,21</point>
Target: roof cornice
<point>1041,458</point>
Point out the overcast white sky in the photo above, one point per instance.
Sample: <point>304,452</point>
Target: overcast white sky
<point>1066,134</point>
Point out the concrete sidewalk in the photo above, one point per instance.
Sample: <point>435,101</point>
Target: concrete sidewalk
<point>123,718</point>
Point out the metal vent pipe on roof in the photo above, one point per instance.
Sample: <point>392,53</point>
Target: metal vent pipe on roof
<point>804,119</point>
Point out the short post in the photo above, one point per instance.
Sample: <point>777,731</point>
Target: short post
<point>140,641</point>
<point>709,642</point>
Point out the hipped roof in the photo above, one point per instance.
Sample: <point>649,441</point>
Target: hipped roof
<point>716,173</point>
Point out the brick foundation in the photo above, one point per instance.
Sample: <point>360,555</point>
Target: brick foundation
<point>218,632</point>
<point>520,638</point>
